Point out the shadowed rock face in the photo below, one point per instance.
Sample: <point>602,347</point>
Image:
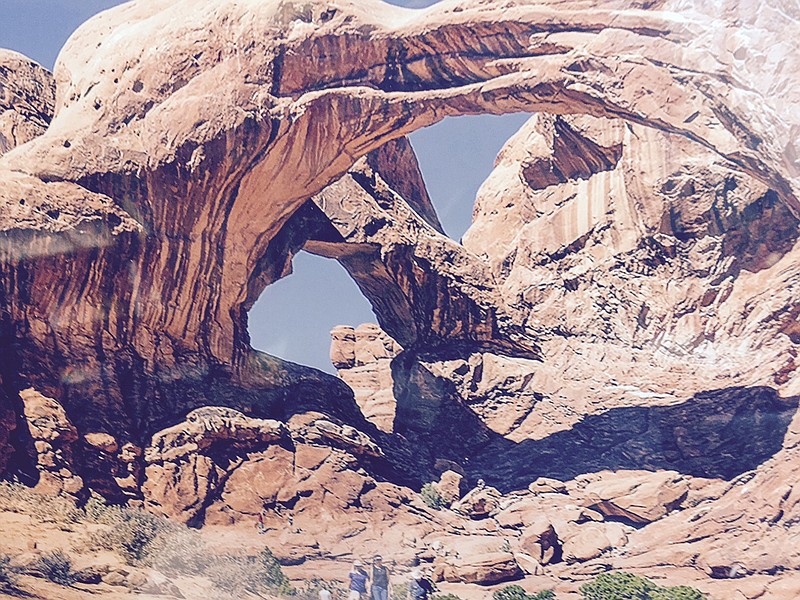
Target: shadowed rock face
<point>633,249</point>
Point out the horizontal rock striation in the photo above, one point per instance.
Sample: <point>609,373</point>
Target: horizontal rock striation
<point>625,298</point>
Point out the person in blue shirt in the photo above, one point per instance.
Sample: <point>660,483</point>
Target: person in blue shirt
<point>419,588</point>
<point>358,581</point>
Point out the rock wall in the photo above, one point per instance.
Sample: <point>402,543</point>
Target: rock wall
<point>625,298</point>
<point>363,357</point>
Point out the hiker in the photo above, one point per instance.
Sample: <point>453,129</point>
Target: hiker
<point>261,526</point>
<point>380,579</point>
<point>358,581</point>
<point>419,588</point>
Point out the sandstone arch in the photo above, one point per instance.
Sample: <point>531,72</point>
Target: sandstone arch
<point>185,141</point>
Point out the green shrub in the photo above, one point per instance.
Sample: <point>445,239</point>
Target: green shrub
<point>431,497</point>
<point>97,510</point>
<point>626,586</point>
<point>511,592</point>
<point>272,574</point>
<point>55,566</point>
<point>618,586</point>
<point>680,592</point>
<point>516,592</point>
<point>132,534</point>
<point>445,597</point>
<point>18,498</point>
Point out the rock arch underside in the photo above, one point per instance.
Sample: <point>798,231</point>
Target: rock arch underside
<point>622,314</point>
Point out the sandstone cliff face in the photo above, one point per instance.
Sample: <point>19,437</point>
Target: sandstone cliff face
<point>624,300</point>
<point>26,104</point>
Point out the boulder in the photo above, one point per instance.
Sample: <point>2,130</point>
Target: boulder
<point>479,503</point>
<point>640,497</point>
<point>450,486</point>
<point>53,436</point>
<point>588,541</point>
<point>187,463</point>
<point>540,541</point>
<point>546,485</point>
<point>486,569</point>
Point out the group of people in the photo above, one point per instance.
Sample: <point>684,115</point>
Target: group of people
<point>377,585</point>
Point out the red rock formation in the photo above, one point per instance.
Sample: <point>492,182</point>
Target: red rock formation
<point>624,300</point>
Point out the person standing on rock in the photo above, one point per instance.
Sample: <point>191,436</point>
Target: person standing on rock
<point>358,581</point>
<point>380,579</point>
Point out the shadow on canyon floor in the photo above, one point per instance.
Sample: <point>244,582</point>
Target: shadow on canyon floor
<point>719,433</point>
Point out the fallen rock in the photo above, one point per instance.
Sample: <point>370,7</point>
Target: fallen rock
<point>449,486</point>
<point>540,542</point>
<point>591,540</point>
<point>102,441</point>
<point>546,485</point>
<point>640,497</point>
<point>478,503</point>
<point>90,575</point>
<point>53,436</point>
<point>115,578</point>
<point>487,569</point>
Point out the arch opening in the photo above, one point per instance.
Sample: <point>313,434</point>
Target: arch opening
<point>293,317</point>
<point>456,155</point>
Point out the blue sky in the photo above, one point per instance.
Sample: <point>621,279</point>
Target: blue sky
<point>292,319</point>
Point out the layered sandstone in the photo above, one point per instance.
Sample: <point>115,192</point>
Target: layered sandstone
<point>624,301</point>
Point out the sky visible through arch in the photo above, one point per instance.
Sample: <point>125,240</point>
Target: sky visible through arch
<point>294,316</point>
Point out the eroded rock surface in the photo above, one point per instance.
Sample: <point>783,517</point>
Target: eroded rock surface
<point>624,301</point>
<point>363,357</point>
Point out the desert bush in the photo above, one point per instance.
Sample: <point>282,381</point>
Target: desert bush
<point>135,534</point>
<point>262,574</point>
<point>510,592</point>
<point>55,566</point>
<point>399,592</point>
<point>19,498</point>
<point>179,550</point>
<point>627,586</point>
<point>56,509</point>
<point>231,574</point>
<point>132,533</point>
<point>8,577</point>
<point>447,596</point>
<point>309,589</point>
<point>431,497</point>
<point>680,592</point>
<point>272,574</point>
<point>97,510</point>
<point>15,497</point>
<point>516,592</point>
